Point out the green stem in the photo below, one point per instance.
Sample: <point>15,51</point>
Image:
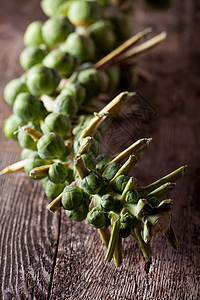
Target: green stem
<point>105,235</point>
<point>145,247</point>
<point>118,256</point>
<point>161,191</point>
<point>172,239</point>
<point>81,167</point>
<point>130,185</point>
<point>113,239</point>
<point>175,175</point>
<point>56,204</point>
<point>35,134</point>
<point>86,145</point>
<point>39,171</point>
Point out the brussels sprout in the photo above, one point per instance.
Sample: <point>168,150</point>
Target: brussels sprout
<point>24,138</point>
<point>52,146</point>
<point>154,201</point>
<point>114,77</point>
<point>55,30</point>
<point>120,183</point>
<point>131,196</point>
<point>14,88</point>
<point>32,55</point>
<point>11,125</point>
<point>34,162</point>
<point>83,12</point>
<point>124,231</point>
<point>29,108</point>
<point>78,214</point>
<point>52,190</point>
<point>55,7</point>
<point>76,90</point>
<point>110,171</point>
<point>80,46</point>
<point>94,148</point>
<point>103,159</point>
<point>65,104</point>
<point>60,173</point>
<point>127,219</point>
<point>89,160</point>
<point>28,153</point>
<point>42,80</point>
<point>121,27</point>
<point>72,197</point>
<point>92,183</point>
<point>57,123</point>
<point>33,34</point>
<point>90,79</point>
<point>108,202</point>
<point>64,62</point>
<point>142,194</point>
<point>103,36</point>
<point>97,218</point>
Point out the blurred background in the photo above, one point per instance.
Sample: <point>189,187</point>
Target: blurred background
<point>47,256</point>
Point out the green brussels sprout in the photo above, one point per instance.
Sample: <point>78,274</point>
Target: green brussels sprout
<point>65,104</point>
<point>60,173</point>
<point>11,125</point>
<point>127,219</point>
<point>97,218</point>
<point>131,196</point>
<point>57,123</point>
<point>114,77</point>
<point>103,159</point>
<point>92,183</point>
<point>55,7</point>
<point>76,90</point>
<point>56,29</point>
<point>42,80</point>
<point>108,202</point>
<point>33,34</point>
<point>124,231</point>
<point>83,13</point>
<point>80,46</point>
<point>28,153</point>
<point>34,162</point>
<point>154,201</point>
<point>14,88</point>
<point>64,62</point>
<point>104,81</point>
<point>44,182</point>
<point>25,140</point>
<point>110,171</point>
<point>29,108</point>
<point>120,183</point>
<point>142,194</point>
<point>72,197</point>
<point>103,36</point>
<point>78,214</point>
<point>52,190</point>
<point>122,27</point>
<point>90,79</point>
<point>89,160</point>
<point>94,148</point>
<point>32,55</point>
<point>52,146</point>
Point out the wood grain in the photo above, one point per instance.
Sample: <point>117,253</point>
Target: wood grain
<point>47,256</point>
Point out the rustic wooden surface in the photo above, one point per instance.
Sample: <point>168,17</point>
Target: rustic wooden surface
<point>47,256</point>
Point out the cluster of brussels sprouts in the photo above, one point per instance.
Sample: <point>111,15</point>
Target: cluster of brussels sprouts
<point>61,140</point>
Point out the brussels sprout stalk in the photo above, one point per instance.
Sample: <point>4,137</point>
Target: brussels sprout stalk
<point>130,150</point>
<point>104,235</point>
<point>38,171</point>
<point>125,169</point>
<point>81,167</point>
<point>118,256</point>
<point>35,134</point>
<point>113,107</point>
<point>172,239</point>
<point>56,204</point>
<point>162,190</point>
<point>114,237</point>
<point>175,175</point>
<point>86,145</point>
<point>16,167</point>
<point>127,44</point>
<point>141,48</point>
<point>145,247</point>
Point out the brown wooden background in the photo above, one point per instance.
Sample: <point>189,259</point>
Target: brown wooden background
<point>46,256</point>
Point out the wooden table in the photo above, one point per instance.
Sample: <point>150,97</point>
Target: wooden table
<point>47,256</point>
